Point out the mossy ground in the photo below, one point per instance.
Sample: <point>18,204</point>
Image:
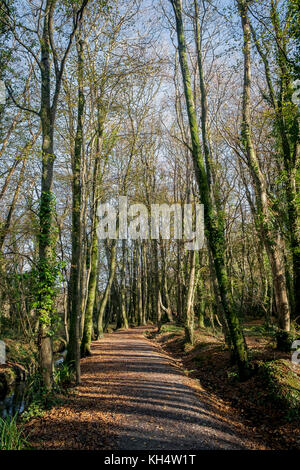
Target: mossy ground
<point>283,384</point>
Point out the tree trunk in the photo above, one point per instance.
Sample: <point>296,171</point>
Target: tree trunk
<point>157,295</point>
<point>103,303</point>
<point>91,292</point>
<point>123,313</point>
<point>73,355</point>
<point>46,258</point>
<point>165,296</point>
<point>214,231</point>
<point>189,312</point>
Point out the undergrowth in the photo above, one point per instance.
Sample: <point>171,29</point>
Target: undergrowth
<point>40,399</point>
<point>283,385</point>
<point>12,435</point>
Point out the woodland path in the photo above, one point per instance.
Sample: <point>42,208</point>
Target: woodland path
<point>134,397</point>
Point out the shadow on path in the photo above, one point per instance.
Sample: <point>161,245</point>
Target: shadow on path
<point>134,397</point>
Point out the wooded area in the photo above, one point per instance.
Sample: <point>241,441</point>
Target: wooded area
<point>164,102</point>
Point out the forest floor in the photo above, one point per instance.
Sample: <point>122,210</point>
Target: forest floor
<point>135,396</point>
<point>252,404</point>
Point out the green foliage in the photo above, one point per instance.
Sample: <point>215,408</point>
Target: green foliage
<point>34,410</point>
<point>64,376</point>
<point>283,385</point>
<point>49,271</point>
<point>18,286</point>
<point>168,328</point>
<point>294,23</point>
<point>260,330</point>
<point>12,436</point>
<point>39,397</point>
<point>20,352</point>
<point>46,289</point>
<point>233,376</point>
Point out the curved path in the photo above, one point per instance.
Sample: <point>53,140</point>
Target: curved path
<point>138,398</point>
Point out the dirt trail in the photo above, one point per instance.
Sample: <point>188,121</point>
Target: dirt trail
<point>133,396</point>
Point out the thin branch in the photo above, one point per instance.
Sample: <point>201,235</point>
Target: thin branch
<point>18,105</point>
